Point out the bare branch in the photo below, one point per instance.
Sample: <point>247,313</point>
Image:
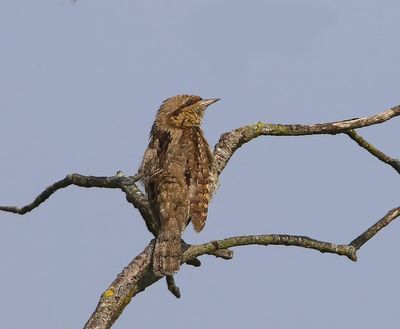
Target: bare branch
<point>395,163</point>
<point>73,179</point>
<point>358,242</point>
<point>270,239</point>
<point>231,141</point>
<point>126,184</point>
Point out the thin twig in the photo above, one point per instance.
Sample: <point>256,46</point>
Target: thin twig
<point>358,242</point>
<point>72,179</point>
<point>127,184</point>
<point>395,163</point>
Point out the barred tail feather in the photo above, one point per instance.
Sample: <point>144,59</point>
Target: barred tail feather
<point>167,254</point>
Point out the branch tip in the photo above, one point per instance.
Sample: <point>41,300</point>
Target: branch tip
<point>358,242</point>
<point>194,262</point>
<point>394,163</point>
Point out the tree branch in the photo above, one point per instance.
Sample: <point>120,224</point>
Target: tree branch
<point>231,141</point>
<point>395,163</point>
<point>271,239</point>
<point>73,179</point>
<point>126,184</point>
<point>358,242</point>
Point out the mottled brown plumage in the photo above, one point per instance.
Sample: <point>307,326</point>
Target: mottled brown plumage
<point>178,176</point>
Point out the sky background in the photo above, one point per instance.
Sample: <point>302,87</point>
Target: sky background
<point>80,84</point>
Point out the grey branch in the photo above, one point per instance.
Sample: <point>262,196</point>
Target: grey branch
<point>395,163</point>
<point>271,239</point>
<point>358,242</point>
<point>117,181</point>
<point>126,184</point>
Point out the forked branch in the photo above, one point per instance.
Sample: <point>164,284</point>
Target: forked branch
<point>358,242</point>
<point>127,184</point>
<point>231,141</point>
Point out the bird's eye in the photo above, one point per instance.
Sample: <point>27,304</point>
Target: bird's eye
<point>190,101</point>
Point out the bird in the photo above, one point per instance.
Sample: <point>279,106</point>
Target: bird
<point>178,174</point>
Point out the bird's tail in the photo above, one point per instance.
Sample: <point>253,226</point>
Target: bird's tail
<point>167,254</point>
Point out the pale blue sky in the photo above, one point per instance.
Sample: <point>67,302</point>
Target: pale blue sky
<point>80,85</point>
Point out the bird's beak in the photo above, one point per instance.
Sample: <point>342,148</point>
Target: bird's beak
<point>208,102</point>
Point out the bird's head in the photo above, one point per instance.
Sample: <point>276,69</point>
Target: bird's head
<point>182,111</point>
